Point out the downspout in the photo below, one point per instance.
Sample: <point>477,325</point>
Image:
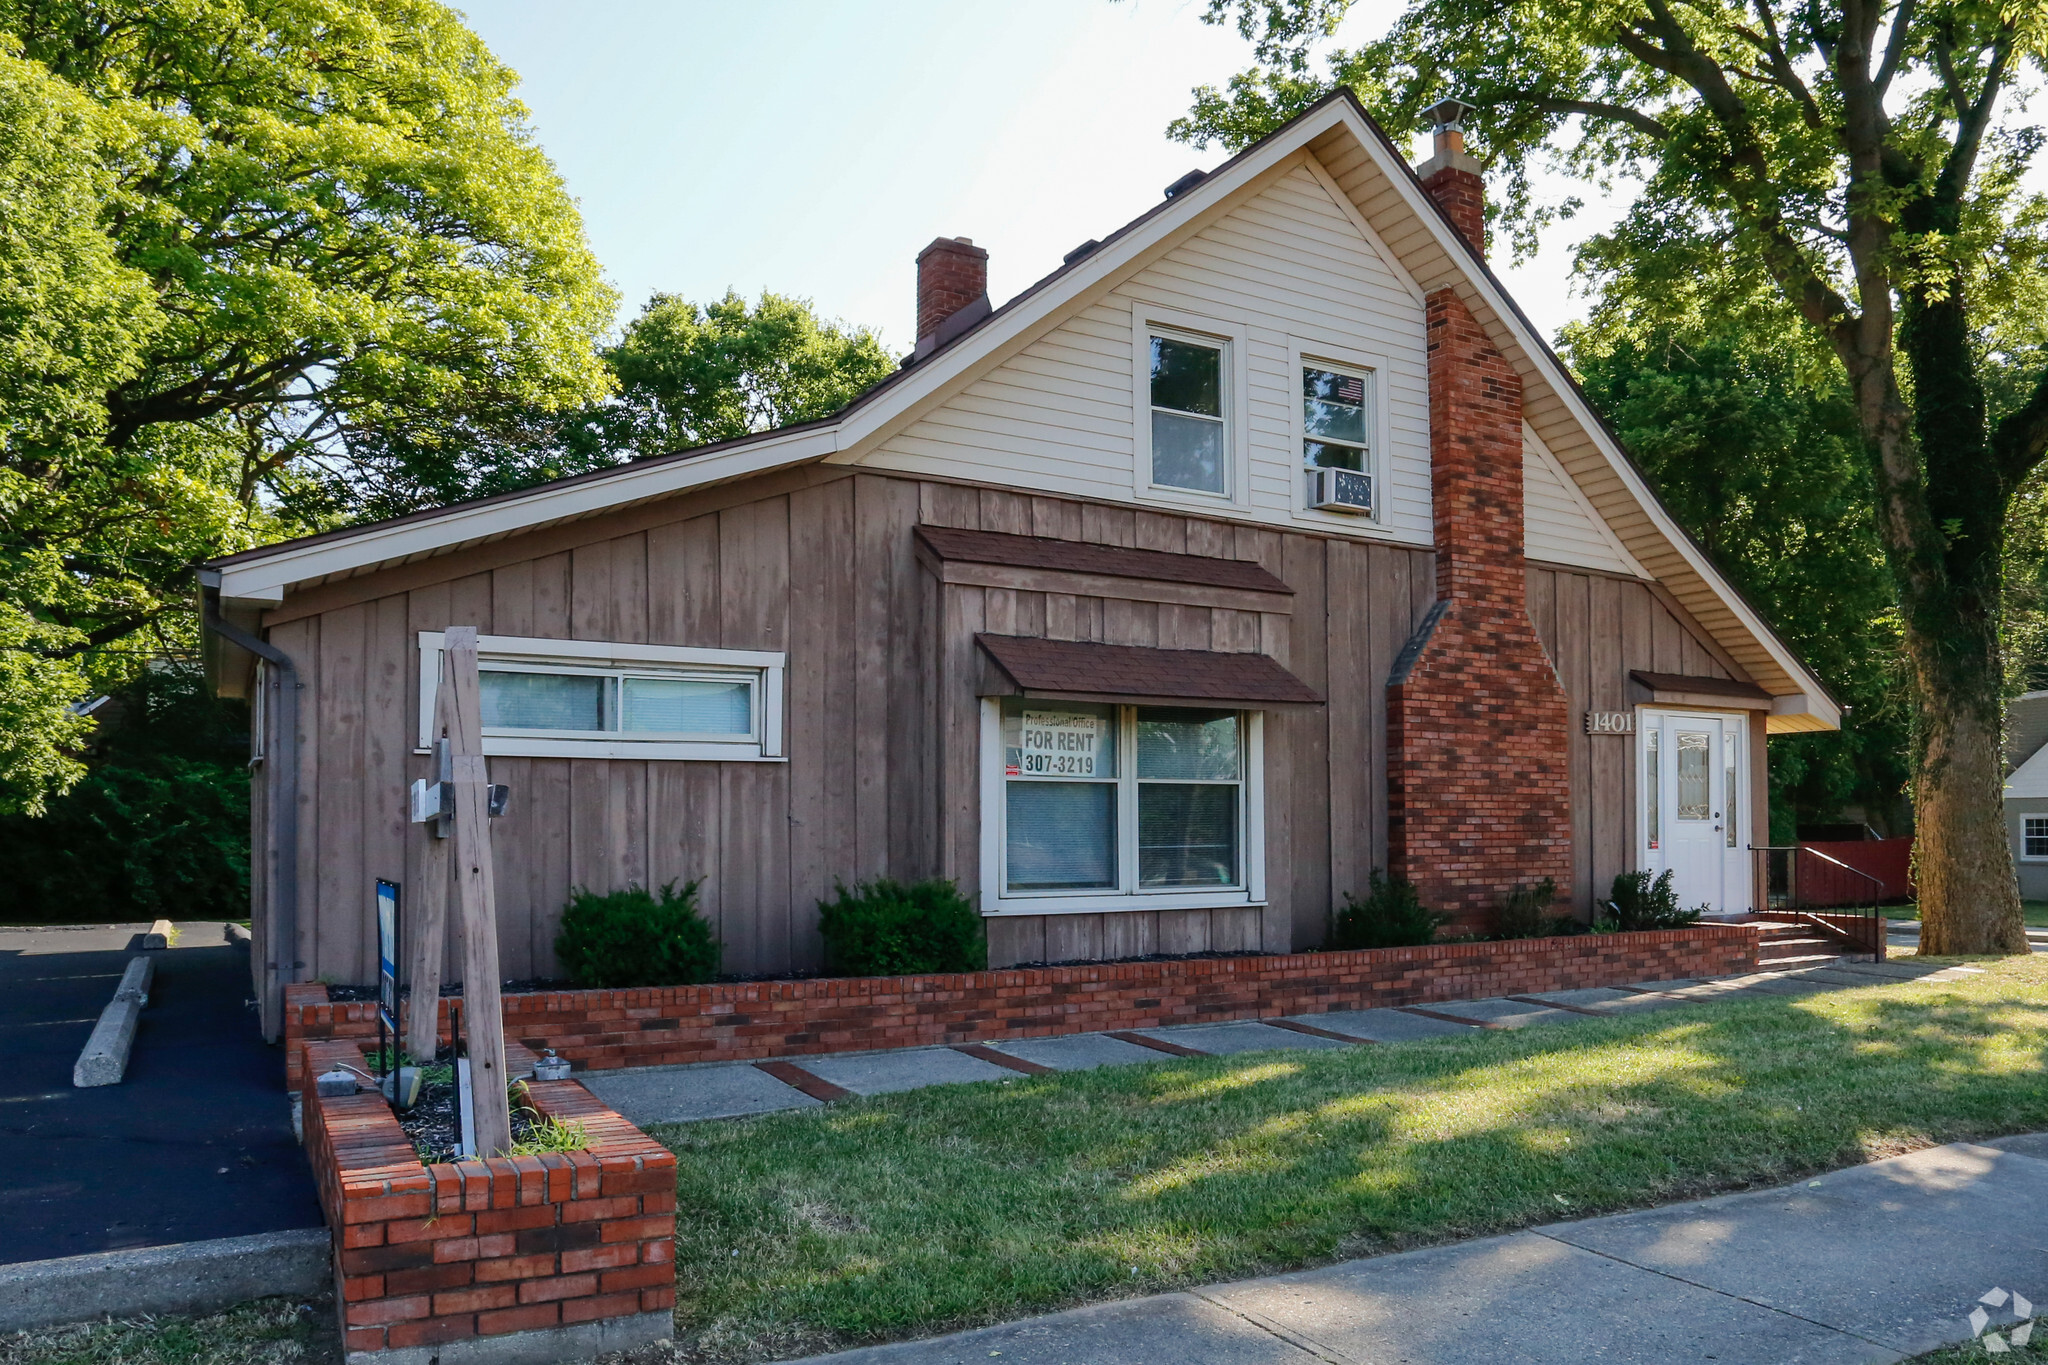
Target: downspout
<point>282,680</point>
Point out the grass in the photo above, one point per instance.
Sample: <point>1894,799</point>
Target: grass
<point>2034,913</point>
<point>1974,1352</point>
<point>266,1332</point>
<point>906,1214</point>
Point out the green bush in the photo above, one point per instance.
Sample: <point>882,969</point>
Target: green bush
<point>1637,902</point>
<point>1390,916</point>
<point>1526,914</point>
<point>629,938</point>
<point>884,928</point>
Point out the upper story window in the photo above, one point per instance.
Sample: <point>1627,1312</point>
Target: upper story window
<point>587,699</point>
<point>1190,448</point>
<point>1336,444</point>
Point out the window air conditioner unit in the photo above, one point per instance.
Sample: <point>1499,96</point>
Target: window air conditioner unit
<point>1340,490</point>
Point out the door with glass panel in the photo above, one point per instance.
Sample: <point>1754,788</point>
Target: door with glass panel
<point>1691,791</point>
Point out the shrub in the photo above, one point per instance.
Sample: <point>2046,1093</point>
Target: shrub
<point>884,928</point>
<point>1637,902</point>
<point>1390,916</point>
<point>629,938</point>
<point>1526,914</point>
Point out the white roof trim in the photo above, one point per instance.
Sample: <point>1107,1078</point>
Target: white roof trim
<point>264,579</point>
<point>2031,777</point>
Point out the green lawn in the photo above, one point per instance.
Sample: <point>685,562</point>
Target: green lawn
<point>2034,912</point>
<point>266,1332</point>
<point>941,1208</point>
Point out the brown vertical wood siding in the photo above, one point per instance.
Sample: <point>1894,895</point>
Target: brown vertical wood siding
<point>882,724</point>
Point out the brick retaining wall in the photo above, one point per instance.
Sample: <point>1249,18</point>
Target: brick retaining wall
<point>750,1021</point>
<point>449,1260</point>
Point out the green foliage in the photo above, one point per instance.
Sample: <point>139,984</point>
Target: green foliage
<point>1638,902</point>
<point>1390,916</point>
<point>158,828</point>
<point>1526,912</point>
<point>885,928</point>
<point>630,938</point>
<point>243,242</point>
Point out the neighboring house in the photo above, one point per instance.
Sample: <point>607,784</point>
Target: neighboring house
<point>1262,544</point>
<point>2026,791</point>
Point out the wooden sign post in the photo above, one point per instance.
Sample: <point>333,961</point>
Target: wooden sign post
<point>463,802</point>
<point>429,910</point>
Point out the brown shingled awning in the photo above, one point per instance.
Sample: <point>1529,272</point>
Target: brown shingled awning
<point>1113,561</point>
<point>1024,666</point>
<point>1682,689</point>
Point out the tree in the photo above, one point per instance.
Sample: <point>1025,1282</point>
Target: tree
<point>261,229</point>
<point>683,375</point>
<point>1861,161</point>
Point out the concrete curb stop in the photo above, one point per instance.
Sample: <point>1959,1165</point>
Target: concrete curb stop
<point>105,1058</point>
<point>160,934</point>
<point>187,1277</point>
<point>236,933</point>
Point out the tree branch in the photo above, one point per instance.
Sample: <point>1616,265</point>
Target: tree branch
<point>1619,113</point>
<point>1895,48</point>
<point>1781,67</point>
<point>2020,439</point>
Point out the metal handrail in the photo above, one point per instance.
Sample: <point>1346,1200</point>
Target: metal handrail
<point>1876,924</point>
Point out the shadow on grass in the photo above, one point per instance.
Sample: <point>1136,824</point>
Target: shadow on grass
<point>966,1204</point>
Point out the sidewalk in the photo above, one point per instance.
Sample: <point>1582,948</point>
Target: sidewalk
<point>712,1090</point>
<point>1873,1263</point>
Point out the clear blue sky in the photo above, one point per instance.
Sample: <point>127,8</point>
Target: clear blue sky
<point>813,148</point>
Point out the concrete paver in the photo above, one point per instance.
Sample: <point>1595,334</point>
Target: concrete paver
<point>685,1094</point>
<point>1385,1026</point>
<point>1588,997</point>
<point>883,1073</point>
<point>1246,1035</point>
<point>1078,1051</point>
<point>1863,1265</point>
<point>1505,1013</point>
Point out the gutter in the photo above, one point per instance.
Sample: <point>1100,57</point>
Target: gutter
<point>282,681</point>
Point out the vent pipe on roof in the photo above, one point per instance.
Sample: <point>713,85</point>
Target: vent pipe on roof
<point>952,291</point>
<point>1185,183</point>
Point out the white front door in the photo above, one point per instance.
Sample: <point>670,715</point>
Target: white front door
<point>1691,806</point>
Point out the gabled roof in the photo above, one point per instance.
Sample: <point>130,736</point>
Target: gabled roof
<point>1360,158</point>
<point>2026,728</point>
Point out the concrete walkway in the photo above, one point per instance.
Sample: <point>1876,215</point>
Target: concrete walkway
<point>1875,1263</point>
<point>1905,934</point>
<point>686,1094</point>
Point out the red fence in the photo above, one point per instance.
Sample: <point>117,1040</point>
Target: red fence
<point>1887,861</point>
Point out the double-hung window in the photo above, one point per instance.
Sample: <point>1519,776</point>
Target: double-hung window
<point>581,699</point>
<point>1132,807</point>
<point>1336,438</point>
<point>2034,837</point>
<point>1190,442</point>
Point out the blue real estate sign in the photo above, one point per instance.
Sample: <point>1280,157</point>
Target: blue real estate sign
<point>387,956</point>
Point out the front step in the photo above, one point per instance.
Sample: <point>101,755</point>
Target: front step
<point>1786,944</point>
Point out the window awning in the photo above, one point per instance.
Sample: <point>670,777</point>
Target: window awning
<point>1075,670</point>
<point>1682,689</point>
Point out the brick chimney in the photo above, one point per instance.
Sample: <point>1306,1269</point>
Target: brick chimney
<point>1478,777</point>
<point>952,288</point>
<point>1452,175</point>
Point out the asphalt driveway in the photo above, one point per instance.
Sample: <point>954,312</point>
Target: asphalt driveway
<point>195,1143</point>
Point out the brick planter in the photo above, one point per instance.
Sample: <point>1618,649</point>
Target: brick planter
<point>752,1021</point>
<point>512,1260</point>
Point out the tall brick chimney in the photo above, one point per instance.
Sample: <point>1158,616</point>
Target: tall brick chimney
<point>1452,175</point>
<point>952,291</point>
<point>1478,779</point>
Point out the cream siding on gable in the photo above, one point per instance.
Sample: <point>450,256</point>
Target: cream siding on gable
<point>1559,524</point>
<point>1291,269</point>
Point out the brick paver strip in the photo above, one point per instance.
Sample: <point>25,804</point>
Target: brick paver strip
<point>1312,1031</point>
<point>989,1054</point>
<point>1559,1005</point>
<point>794,1076</point>
<point>1448,1018</point>
<point>1158,1045</point>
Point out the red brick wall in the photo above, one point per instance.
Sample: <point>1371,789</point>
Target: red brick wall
<point>1479,783</point>
<point>750,1021</point>
<point>432,1254</point>
<point>1463,196</point>
<point>950,275</point>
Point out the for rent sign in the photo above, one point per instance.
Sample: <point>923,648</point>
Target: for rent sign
<point>1060,744</point>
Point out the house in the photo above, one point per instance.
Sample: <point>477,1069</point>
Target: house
<point>2026,791</point>
<point>1262,544</point>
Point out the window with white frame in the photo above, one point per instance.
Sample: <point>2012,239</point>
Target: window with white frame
<point>585,699</point>
<point>1335,423</point>
<point>1190,435</point>
<point>2034,837</point>
<point>1103,807</point>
